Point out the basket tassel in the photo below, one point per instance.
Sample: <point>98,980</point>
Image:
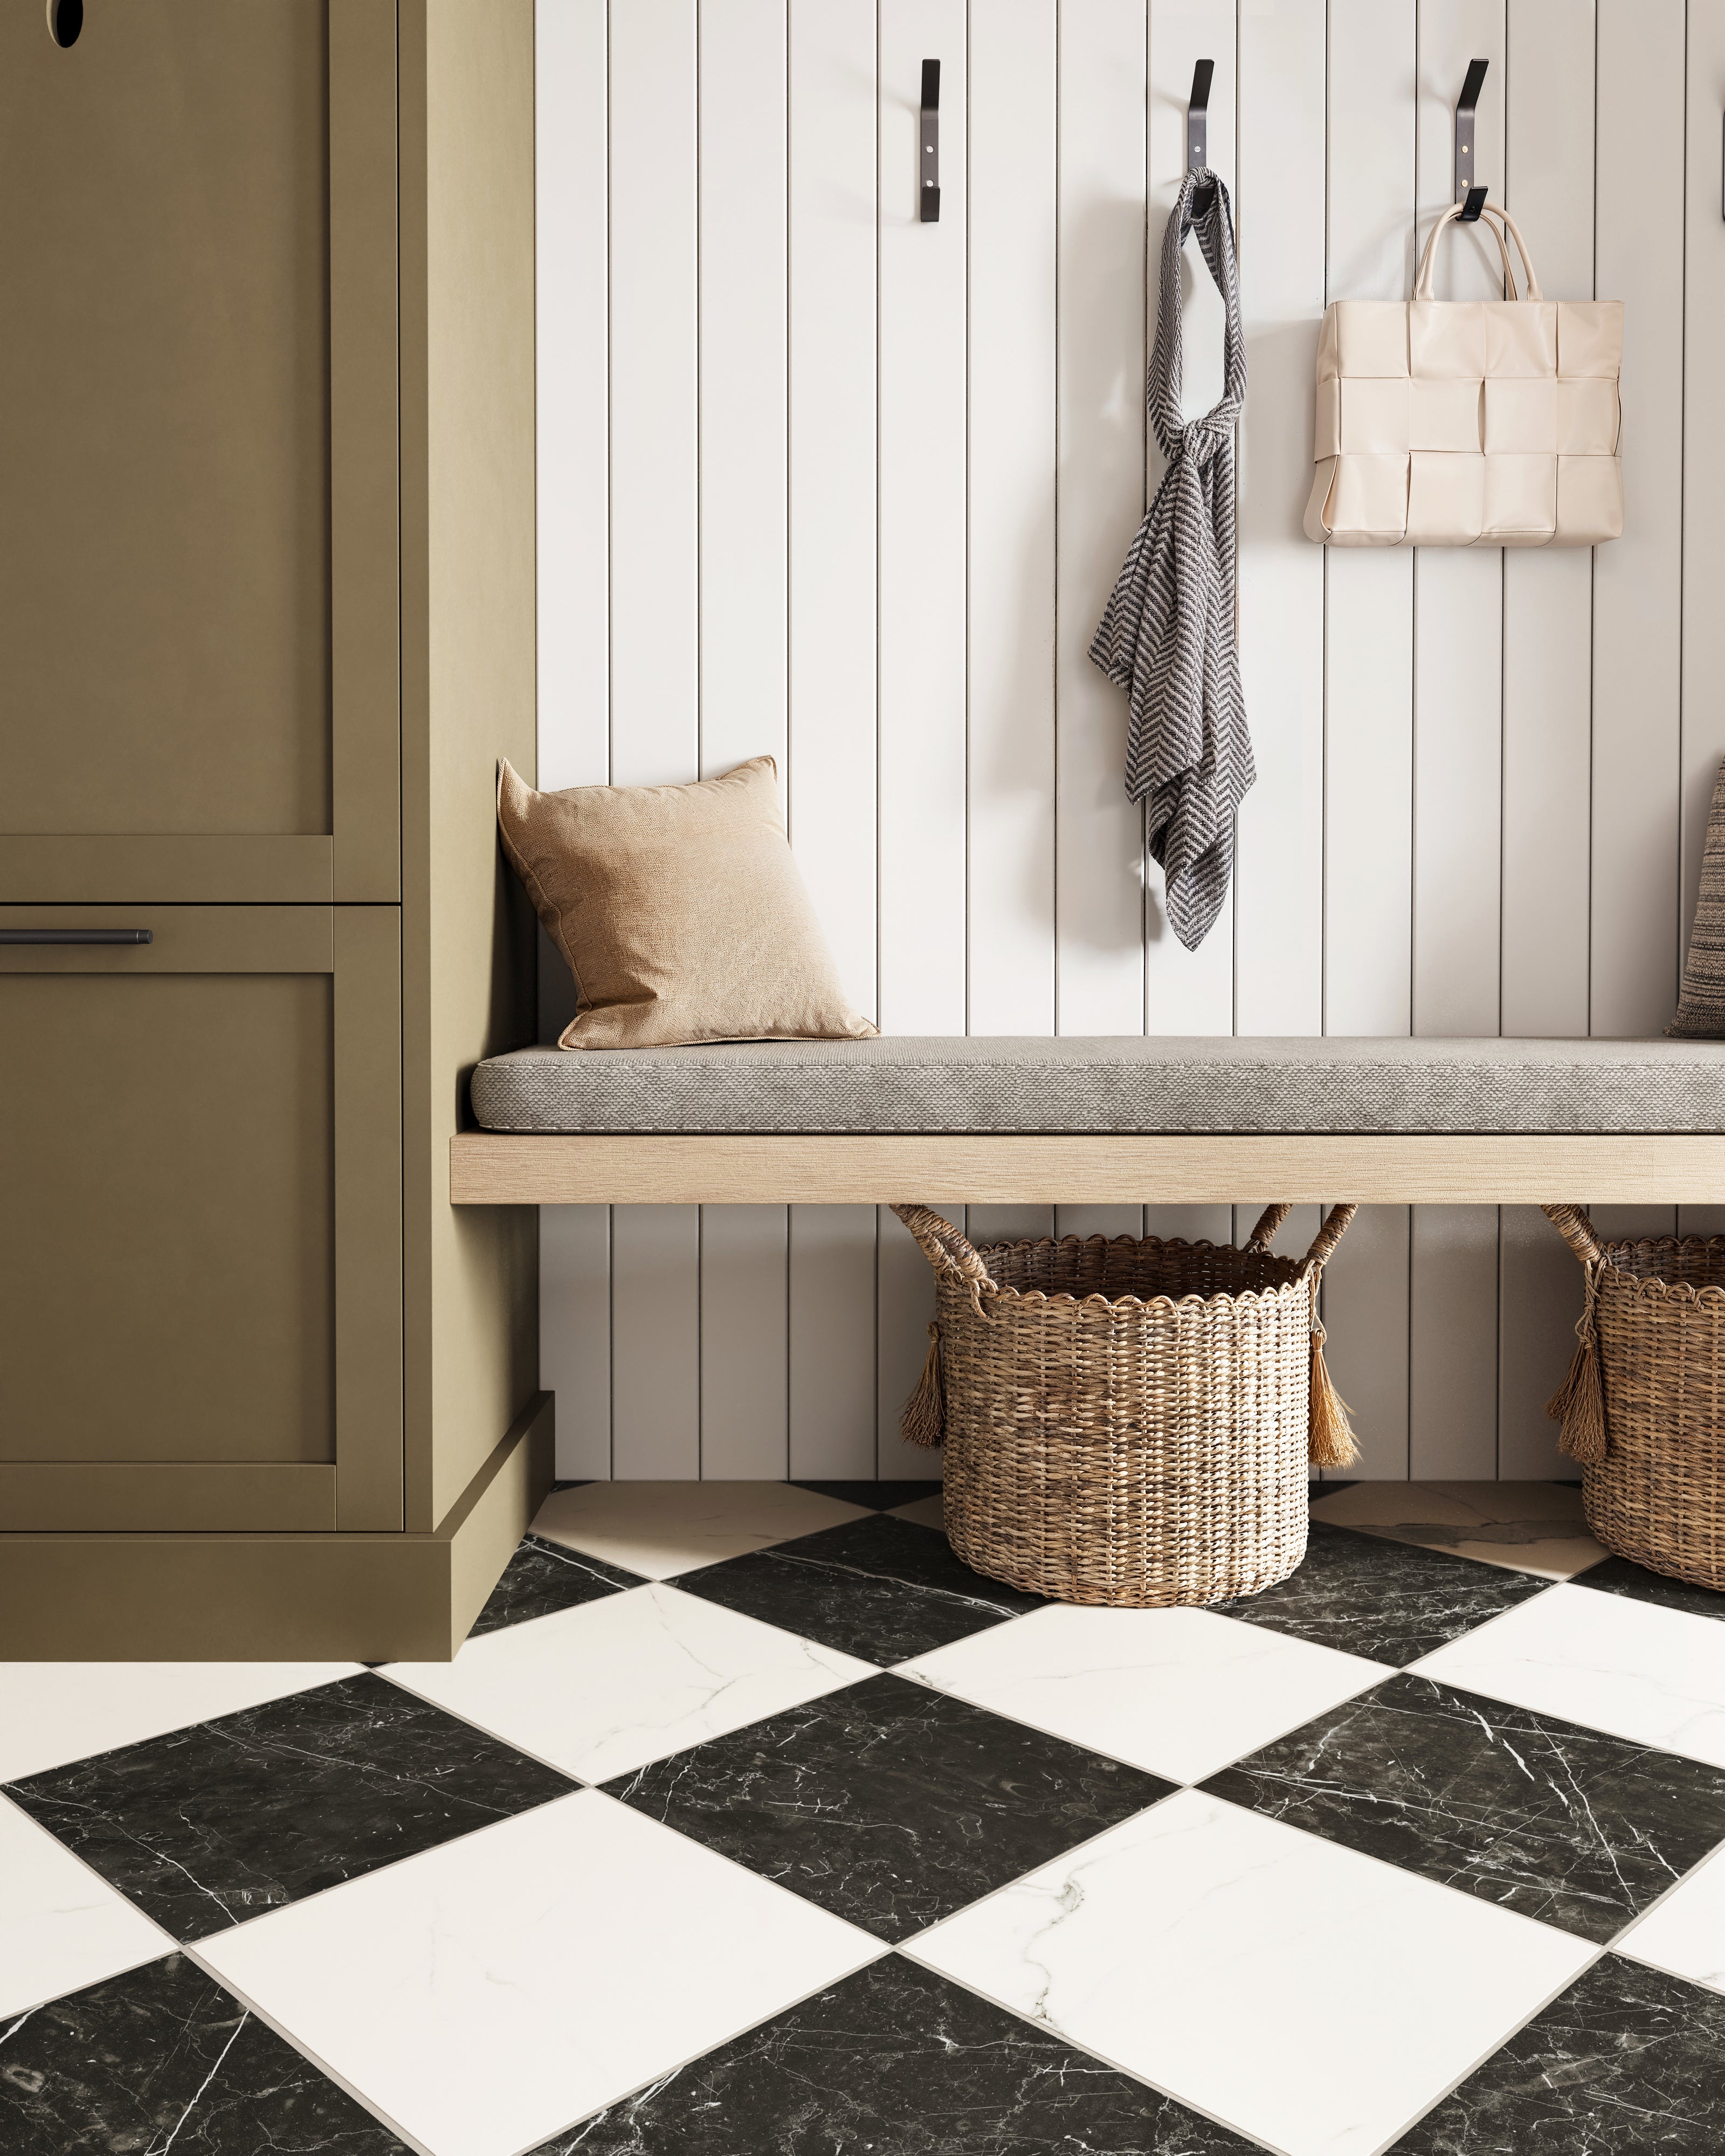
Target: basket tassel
<point>924,1418</point>
<point>1579,1404</point>
<point>1332,1440</point>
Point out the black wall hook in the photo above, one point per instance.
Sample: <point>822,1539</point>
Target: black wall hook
<point>1198,131</point>
<point>1472,198</point>
<point>928,146</point>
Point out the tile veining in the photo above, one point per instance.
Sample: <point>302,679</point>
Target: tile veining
<point>1392,1603</point>
<point>208,1826</point>
<point>1570,1826</point>
<point>889,1803</point>
<point>879,1587</point>
<point>164,2058</point>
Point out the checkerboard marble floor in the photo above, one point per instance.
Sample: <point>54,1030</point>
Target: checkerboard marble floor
<point>748,1820</point>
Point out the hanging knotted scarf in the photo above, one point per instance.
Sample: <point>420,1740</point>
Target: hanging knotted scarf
<point>1167,636</point>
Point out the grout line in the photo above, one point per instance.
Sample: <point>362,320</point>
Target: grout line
<point>190,1950</point>
<point>1468,2073</point>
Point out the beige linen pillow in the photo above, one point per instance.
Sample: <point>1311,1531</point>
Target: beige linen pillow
<point>680,910</point>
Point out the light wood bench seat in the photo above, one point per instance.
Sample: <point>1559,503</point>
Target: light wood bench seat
<point>1093,1120</point>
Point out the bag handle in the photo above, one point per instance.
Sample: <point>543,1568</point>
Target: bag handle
<point>1323,1250</point>
<point>1502,223</point>
<point>948,1250</point>
<point>1573,1225</point>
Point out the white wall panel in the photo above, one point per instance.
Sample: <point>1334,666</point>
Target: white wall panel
<point>1279,877</point>
<point>921,482</point>
<point>1010,552</point>
<point>832,764</point>
<point>572,414</point>
<point>655,639</point>
<point>820,480</point>
<point>1369,678</point>
<point>744,599</point>
<point>832,791</point>
<point>655,1342</point>
<point>832,1341</point>
<point>575,1334</point>
<point>1458,591</point>
<point>1369,594</point>
<point>743,1348</point>
<point>1099,834</point>
<point>1548,628</point>
<point>1547,704</point>
<point>1458,765</point>
<point>572,329</point>
<point>1637,580</point>
<point>655,478</point>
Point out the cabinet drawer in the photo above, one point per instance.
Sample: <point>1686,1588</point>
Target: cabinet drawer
<point>201,1152</point>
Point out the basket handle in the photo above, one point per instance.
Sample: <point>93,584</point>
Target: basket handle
<point>948,1250</point>
<point>1269,1221</point>
<point>1573,1225</point>
<point>1322,1251</point>
<point>1323,1248</point>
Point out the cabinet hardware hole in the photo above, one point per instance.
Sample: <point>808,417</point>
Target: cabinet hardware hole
<point>66,19</point>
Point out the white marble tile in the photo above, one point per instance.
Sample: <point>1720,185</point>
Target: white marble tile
<point>1527,1526</point>
<point>602,1689</point>
<point>61,1927</point>
<point>488,1993</point>
<point>1181,1692</point>
<point>1652,1675</point>
<point>925,1511</point>
<point>1298,1991</point>
<point>660,1528</point>
<point>1686,1932</point>
<point>53,1712</point>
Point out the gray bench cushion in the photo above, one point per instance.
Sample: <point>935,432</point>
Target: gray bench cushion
<point>1101,1086</point>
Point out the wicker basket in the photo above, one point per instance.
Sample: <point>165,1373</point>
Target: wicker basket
<point>1643,1408</point>
<point>1127,1422</point>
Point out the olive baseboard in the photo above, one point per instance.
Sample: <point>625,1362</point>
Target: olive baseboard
<point>357,1597</point>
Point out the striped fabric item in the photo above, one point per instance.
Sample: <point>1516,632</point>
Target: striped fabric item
<point>1168,637</point>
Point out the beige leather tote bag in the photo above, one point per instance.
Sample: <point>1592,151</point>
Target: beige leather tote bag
<point>1468,422</point>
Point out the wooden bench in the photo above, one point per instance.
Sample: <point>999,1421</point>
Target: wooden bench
<point>992,1121</point>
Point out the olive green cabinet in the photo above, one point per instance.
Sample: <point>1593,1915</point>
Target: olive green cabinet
<point>200,1276</point>
<point>267,614</point>
<point>198,427</point>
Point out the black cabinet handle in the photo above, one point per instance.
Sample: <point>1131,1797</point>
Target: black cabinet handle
<point>77,936</point>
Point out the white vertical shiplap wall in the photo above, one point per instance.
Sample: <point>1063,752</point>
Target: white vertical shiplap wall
<point>819,481</point>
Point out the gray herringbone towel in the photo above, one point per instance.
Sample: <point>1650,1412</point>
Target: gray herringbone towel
<point>1167,636</point>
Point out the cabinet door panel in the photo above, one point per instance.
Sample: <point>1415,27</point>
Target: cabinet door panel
<point>197,223</point>
<point>201,1154</point>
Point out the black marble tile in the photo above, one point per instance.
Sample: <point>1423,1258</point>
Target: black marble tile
<point>542,1577</point>
<point>888,1803</point>
<point>898,2062</point>
<point>1618,1576</point>
<point>1627,2062</point>
<point>878,1496</point>
<point>164,2058</point>
<point>1579,1828</point>
<point>209,1826</point>
<point>881,1589</point>
<point>1388,1601</point>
